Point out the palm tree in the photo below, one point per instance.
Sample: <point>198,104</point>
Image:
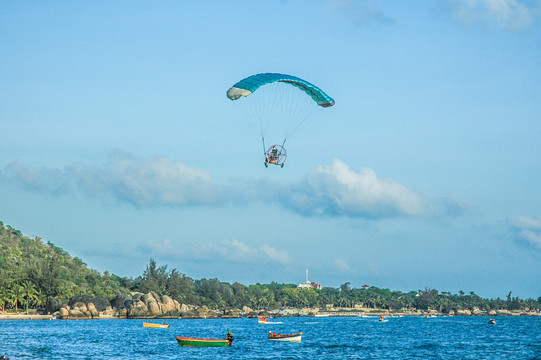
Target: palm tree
<point>40,298</point>
<point>16,294</point>
<point>29,292</point>
<point>4,296</point>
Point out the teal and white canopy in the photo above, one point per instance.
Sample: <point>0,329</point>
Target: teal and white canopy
<point>250,84</point>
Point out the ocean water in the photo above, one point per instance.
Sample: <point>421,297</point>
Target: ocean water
<point>323,338</point>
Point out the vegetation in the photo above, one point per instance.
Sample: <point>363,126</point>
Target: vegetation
<point>31,272</point>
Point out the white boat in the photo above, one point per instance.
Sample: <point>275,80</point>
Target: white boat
<point>264,321</point>
<point>297,337</point>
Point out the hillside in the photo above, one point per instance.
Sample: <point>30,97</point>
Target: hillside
<point>37,271</point>
<point>31,273</point>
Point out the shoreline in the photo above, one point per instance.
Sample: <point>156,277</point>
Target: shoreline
<point>352,314</point>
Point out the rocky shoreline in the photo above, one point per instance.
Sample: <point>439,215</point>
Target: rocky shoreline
<point>153,306</point>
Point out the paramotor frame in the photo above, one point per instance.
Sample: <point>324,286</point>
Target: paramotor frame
<point>275,155</point>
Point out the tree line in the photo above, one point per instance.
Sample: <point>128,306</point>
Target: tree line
<point>32,272</point>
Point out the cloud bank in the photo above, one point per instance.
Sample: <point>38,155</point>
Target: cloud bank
<point>328,190</point>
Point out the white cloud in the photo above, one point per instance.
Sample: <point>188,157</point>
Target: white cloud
<point>154,181</point>
<point>525,222</point>
<point>275,255</point>
<point>335,190</point>
<point>512,14</point>
<point>228,251</point>
<point>527,229</point>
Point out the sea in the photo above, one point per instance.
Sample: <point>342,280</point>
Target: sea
<point>408,337</point>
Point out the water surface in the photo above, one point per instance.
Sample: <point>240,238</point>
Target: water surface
<point>324,338</point>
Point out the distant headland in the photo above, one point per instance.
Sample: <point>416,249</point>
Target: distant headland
<point>42,281</point>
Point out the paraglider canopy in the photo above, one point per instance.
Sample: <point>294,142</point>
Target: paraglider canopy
<point>250,84</point>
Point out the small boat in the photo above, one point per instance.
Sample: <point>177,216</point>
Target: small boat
<point>265,321</point>
<point>187,341</point>
<point>492,321</point>
<point>154,325</point>
<point>291,338</point>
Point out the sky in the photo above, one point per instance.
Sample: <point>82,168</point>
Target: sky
<point>118,143</point>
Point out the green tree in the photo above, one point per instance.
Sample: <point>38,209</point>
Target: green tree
<point>16,293</point>
<point>4,295</point>
<point>40,299</point>
<point>29,292</point>
<point>180,287</point>
<point>154,278</point>
<point>46,275</point>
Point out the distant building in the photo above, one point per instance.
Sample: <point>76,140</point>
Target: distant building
<point>365,286</point>
<point>308,284</point>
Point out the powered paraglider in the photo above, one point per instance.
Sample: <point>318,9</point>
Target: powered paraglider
<point>280,104</point>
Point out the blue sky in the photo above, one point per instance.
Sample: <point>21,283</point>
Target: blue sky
<point>119,145</point>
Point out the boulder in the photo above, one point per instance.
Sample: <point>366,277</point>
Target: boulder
<point>155,296</point>
<point>139,309</point>
<point>63,313</point>
<point>151,296</point>
<point>109,311</point>
<point>463,312</point>
<point>78,314</point>
<point>80,298</point>
<point>476,311</point>
<point>99,303</point>
<point>121,301</point>
<point>122,313</point>
<point>93,311</point>
<point>79,306</point>
<point>168,305</point>
<point>136,295</point>
<point>232,313</point>
<point>151,300</point>
<point>54,305</point>
<point>154,308</point>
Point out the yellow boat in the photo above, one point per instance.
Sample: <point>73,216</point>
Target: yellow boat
<point>154,325</point>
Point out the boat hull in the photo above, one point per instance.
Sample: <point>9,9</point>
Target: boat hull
<point>290,338</point>
<point>153,325</point>
<point>186,341</point>
<point>266,322</point>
